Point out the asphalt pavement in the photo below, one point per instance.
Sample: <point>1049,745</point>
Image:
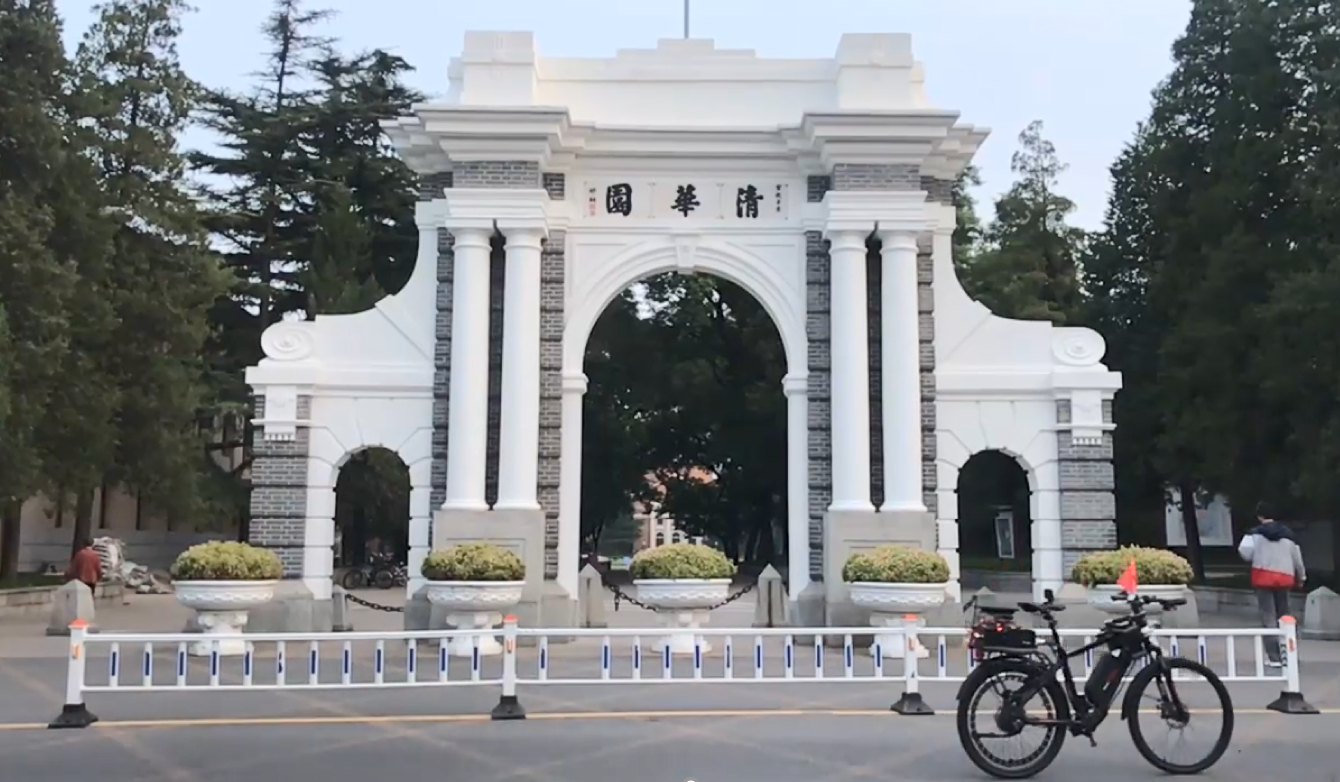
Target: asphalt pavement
<point>648,748</point>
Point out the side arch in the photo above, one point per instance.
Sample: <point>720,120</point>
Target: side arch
<point>783,302</point>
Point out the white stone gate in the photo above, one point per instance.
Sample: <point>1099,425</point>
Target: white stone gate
<point>550,185</point>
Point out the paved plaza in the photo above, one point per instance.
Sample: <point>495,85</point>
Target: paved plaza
<point>828,730</point>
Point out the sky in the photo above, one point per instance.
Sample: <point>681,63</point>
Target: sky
<point>1083,67</point>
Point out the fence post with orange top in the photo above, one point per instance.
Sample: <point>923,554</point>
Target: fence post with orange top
<point>75,713</point>
<point>911,703</point>
<point>509,708</point>
<point>1291,700</point>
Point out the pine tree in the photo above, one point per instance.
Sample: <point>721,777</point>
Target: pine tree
<point>161,281</point>
<point>261,217</point>
<point>347,146</point>
<point>48,229</point>
<point>1028,267</point>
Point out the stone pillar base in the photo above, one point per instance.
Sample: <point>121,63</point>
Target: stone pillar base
<point>543,603</point>
<point>847,532</point>
<point>293,610</point>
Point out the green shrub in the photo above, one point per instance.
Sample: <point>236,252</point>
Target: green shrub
<point>226,560</point>
<point>681,560</point>
<point>1153,566</point>
<point>896,565</point>
<point>473,562</point>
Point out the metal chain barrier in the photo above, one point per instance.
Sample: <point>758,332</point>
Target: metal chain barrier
<point>622,596</point>
<point>374,606</point>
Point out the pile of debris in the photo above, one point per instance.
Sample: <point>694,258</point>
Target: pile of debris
<point>137,578</point>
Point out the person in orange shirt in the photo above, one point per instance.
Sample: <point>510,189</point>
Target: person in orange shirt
<point>85,566</point>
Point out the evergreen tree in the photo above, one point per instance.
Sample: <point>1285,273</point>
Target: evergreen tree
<point>261,215</point>
<point>50,232</point>
<point>1028,266</point>
<point>161,281</point>
<point>355,169</point>
<point>35,163</point>
<point>968,226</point>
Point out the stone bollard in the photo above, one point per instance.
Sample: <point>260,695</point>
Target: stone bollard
<point>73,601</point>
<point>770,602</point>
<point>340,620</point>
<point>591,597</point>
<point>1321,615</point>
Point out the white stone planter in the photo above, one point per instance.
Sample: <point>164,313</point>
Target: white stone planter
<point>684,604</point>
<point>221,610</point>
<point>1100,597</point>
<point>890,605</point>
<point>474,605</point>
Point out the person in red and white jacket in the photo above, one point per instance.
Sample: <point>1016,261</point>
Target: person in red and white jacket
<point>1277,567</point>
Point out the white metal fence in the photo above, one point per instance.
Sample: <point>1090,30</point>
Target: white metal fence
<point>149,663</point>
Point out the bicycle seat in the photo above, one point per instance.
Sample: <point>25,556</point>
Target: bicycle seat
<point>1041,608</point>
<point>1000,611</point>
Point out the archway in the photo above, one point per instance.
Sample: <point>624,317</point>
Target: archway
<point>372,512</point>
<point>685,417</point>
<point>995,524</point>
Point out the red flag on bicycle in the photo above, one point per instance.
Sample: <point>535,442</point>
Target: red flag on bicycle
<point>1129,580</point>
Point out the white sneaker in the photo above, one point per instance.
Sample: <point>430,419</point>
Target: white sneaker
<point>1274,664</point>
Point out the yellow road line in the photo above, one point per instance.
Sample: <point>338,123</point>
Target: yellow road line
<point>553,716</point>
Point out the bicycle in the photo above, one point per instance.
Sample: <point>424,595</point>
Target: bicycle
<point>1042,672</point>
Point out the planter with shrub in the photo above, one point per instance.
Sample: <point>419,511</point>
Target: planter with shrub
<point>682,582</point>
<point>223,581</point>
<point>1160,573</point>
<point>893,582</point>
<point>476,583</point>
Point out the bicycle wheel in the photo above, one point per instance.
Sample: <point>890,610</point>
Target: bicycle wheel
<point>383,579</point>
<point>1004,678</point>
<point>1167,706</point>
<point>354,578</point>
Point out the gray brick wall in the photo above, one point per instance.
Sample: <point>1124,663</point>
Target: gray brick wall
<point>938,190</point>
<point>552,271</point>
<point>816,187</point>
<point>279,491</point>
<point>1087,480</point>
<point>876,177</point>
<point>432,185</point>
<point>497,283</point>
<point>817,298</point>
<point>496,174</point>
<point>556,185</point>
<point>446,258</point>
<point>874,269</point>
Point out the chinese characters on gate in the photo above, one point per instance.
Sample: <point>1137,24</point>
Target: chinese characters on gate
<point>744,201</point>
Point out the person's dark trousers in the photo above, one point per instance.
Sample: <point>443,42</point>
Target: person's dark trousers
<point>1274,603</point>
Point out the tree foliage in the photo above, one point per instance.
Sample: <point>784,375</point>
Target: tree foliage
<point>1028,262</point>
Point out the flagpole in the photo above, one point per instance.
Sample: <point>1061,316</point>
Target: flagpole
<point>686,20</point>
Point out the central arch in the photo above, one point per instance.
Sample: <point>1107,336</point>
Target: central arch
<point>760,279</point>
<point>784,301</point>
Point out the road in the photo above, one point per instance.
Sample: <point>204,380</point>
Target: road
<point>650,748</point>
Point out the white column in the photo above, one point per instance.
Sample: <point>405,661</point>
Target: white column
<point>900,373</point>
<point>570,482</point>
<point>420,536</point>
<point>849,348</point>
<point>467,422</point>
<point>519,427</point>
<point>796,388</point>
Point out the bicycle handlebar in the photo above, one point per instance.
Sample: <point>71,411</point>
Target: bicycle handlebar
<point>1139,601</point>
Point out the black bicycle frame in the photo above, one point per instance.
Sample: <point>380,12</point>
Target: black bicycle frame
<point>1085,716</point>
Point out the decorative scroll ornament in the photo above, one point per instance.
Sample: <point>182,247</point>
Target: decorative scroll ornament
<point>288,341</point>
<point>1077,347</point>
